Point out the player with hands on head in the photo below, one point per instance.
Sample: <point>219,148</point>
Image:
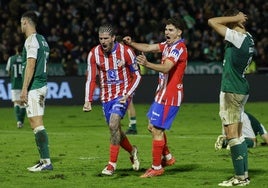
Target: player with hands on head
<point>169,93</point>
<point>234,92</point>
<point>119,76</point>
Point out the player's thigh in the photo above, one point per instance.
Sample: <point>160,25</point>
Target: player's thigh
<point>36,102</point>
<point>162,116</point>
<point>114,107</point>
<point>231,107</point>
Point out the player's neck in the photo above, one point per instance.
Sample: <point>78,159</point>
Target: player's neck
<point>30,32</point>
<point>240,28</point>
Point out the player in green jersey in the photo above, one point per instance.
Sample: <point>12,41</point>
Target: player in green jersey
<point>14,69</point>
<point>132,128</point>
<point>35,56</point>
<point>234,88</point>
<point>250,130</point>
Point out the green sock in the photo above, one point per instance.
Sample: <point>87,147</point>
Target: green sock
<point>41,139</point>
<point>22,114</point>
<point>17,112</point>
<point>245,155</point>
<point>37,144</point>
<point>132,123</point>
<point>237,152</point>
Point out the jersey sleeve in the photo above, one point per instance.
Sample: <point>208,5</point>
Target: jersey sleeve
<point>90,77</point>
<point>131,59</point>
<point>134,71</point>
<point>162,46</point>
<point>32,46</point>
<point>178,54</point>
<point>8,64</point>
<point>236,38</point>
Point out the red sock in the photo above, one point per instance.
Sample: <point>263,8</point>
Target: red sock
<point>125,144</point>
<point>157,150</point>
<point>165,150</point>
<point>114,151</point>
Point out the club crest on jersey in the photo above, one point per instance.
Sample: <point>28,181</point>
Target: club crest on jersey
<point>120,62</point>
<point>111,75</point>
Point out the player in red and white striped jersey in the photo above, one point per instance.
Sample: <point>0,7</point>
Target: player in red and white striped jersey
<point>169,92</point>
<point>119,76</point>
<point>117,70</point>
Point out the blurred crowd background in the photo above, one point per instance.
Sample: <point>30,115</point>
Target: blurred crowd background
<point>70,26</point>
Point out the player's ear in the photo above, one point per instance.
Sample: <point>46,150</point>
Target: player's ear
<point>113,38</point>
<point>179,32</point>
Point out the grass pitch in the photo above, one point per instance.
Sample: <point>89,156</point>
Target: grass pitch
<point>79,145</point>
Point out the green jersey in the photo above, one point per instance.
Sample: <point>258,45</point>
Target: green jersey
<point>256,125</point>
<point>238,55</point>
<point>36,47</point>
<point>14,67</point>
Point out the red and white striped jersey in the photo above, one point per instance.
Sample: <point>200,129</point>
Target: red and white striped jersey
<point>170,85</point>
<point>118,72</point>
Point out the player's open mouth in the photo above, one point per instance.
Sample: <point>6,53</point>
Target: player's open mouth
<point>104,46</point>
<point>168,39</point>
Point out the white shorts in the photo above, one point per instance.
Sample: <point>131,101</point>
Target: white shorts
<point>264,130</point>
<point>36,102</point>
<point>15,95</point>
<point>247,130</point>
<point>231,107</point>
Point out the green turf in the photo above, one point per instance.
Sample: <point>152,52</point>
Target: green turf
<point>79,145</point>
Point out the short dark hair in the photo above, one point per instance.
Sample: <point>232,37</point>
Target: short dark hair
<point>32,16</point>
<point>107,28</point>
<point>177,22</point>
<point>231,12</point>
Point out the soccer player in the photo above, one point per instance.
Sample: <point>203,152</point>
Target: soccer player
<point>131,111</point>
<point>35,56</point>
<point>234,88</point>
<point>250,129</point>
<point>119,77</point>
<point>14,69</point>
<point>169,92</point>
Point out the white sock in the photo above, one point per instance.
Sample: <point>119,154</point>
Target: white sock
<point>157,167</point>
<point>39,128</point>
<point>113,164</point>
<point>168,156</point>
<point>46,161</point>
